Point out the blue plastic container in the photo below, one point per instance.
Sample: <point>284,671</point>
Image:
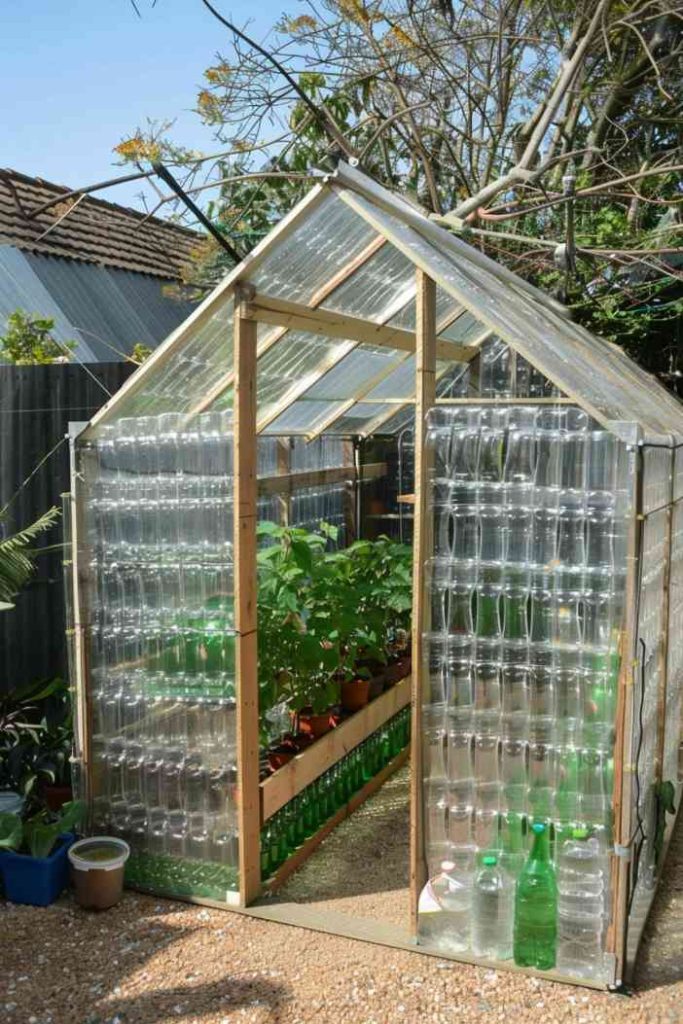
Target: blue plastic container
<point>36,880</point>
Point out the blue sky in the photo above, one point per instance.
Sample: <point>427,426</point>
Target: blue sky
<point>76,77</point>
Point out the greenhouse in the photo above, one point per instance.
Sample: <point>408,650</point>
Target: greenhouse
<point>256,650</point>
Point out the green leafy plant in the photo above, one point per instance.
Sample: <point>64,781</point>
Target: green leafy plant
<point>17,556</point>
<point>35,736</point>
<point>29,341</point>
<point>325,615</point>
<point>37,835</point>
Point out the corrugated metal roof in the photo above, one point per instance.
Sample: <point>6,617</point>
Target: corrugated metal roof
<point>89,229</point>
<point>107,311</point>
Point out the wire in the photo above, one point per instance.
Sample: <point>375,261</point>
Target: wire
<point>639,827</point>
<point>33,472</point>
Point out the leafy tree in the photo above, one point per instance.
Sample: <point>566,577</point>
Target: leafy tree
<point>29,341</point>
<point>140,352</point>
<point>549,134</point>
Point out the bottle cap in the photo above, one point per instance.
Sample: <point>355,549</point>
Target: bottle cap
<point>489,860</point>
<point>580,833</point>
<point>538,828</point>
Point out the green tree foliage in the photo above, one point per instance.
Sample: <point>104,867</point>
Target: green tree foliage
<point>28,341</point>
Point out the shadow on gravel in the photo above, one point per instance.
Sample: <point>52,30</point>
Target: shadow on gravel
<point>182,1003</point>
<point>660,959</point>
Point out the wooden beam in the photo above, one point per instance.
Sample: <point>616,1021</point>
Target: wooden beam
<point>475,400</point>
<point>294,862</point>
<point>288,482</point>
<point>224,382</point>
<point>303,769</point>
<point>295,316</point>
<point>623,770</point>
<point>663,653</point>
<point>284,456</point>
<point>425,393</point>
<point>245,461</point>
<point>82,697</point>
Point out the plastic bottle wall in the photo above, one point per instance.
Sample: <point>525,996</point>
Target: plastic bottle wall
<point>156,559</point>
<point>525,585</point>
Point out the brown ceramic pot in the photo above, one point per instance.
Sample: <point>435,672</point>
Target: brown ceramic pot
<point>355,694</point>
<point>315,725</point>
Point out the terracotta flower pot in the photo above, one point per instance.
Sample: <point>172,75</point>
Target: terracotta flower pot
<point>280,755</point>
<point>355,694</point>
<point>315,725</point>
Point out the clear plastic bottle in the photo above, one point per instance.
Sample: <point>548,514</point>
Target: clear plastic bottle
<point>581,906</point>
<point>452,889</point>
<point>492,911</point>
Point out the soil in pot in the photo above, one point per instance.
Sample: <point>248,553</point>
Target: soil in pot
<point>97,866</point>
<point>355,694</point>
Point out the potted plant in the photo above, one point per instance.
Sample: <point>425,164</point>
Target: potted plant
<point>33,854</point>
<point>35,742</point>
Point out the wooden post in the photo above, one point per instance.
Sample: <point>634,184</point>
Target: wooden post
<point>284,452</point>
<point>425,386</point>
<point>79,583</point>
<point>623,769</point>
<point>352,492</point>
<point>665,639</point>
<point>246,659</point>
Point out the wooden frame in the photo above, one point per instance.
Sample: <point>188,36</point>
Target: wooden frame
<point>246,657</point>
<point>297,317</point>
<point>79,580</point>
<point>425,391</point>
<point>621,798</point>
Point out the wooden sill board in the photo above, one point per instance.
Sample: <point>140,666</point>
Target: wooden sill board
<point>304,768</point>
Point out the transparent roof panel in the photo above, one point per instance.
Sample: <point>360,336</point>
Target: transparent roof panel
<point>583,366</point>
<point>352,246</point>
<point>352,373</point>
<point>360,416</point>
<point>330,238</point>
<point>303,417</point>
<point>292,365</point>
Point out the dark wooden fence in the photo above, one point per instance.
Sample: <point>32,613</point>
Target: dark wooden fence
<point>36,405</point>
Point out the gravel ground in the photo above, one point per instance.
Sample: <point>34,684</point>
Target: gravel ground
<point>363,867</point>
<point>150,961</point>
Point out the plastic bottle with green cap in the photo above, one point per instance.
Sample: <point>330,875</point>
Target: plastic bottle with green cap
<point>535,917</point>
<point>492,910</point>
<point>581,883</point>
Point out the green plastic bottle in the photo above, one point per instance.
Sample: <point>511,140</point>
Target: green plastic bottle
<point>535,933</point>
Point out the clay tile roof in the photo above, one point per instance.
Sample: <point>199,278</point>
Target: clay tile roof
<point>89,229</point>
